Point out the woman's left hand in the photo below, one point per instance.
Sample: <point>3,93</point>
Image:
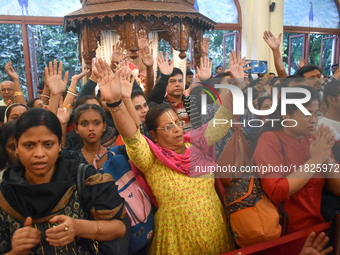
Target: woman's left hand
<point>63,233</point>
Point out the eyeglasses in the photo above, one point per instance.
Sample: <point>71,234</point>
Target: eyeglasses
<point>316,115</point>
<point>178,123</point>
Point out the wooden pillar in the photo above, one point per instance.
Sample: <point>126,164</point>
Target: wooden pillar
<point>197,38</point>
<point>90,37</point>
<point>130,36</point>
<point>184,38</point>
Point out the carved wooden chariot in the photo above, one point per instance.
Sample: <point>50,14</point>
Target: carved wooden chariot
<point>174,20</point>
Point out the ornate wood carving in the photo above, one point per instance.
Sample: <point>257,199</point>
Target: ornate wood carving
<point>130,38</point>
<point>90,37</point>
<point>184,38</point>
<point>197,38</point>
<point>174,26</point>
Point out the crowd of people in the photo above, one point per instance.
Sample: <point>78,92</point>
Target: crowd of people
<point>160,129</point>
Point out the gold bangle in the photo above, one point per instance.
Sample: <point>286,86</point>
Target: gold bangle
<point>72,90</point>
<point>118,108</point>
<point>65,106</point>
<point>18,94</point>
<point>98,231</point>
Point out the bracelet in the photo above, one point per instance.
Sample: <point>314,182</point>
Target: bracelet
<point>18,94</point>
<point>120,107</point>
<point>65,106</point>
<point>72,90</point>
<point>43,95</point>
<point>115,104</point>
<point>98,231</point>
<point>73,94</point>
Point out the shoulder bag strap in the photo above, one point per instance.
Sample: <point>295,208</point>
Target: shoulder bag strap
<point>81,173</point>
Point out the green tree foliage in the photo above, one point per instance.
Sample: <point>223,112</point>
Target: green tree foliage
<point>216,47</point>
<point>11,49</point>
<point>314,51</point>
<point>51,42</point>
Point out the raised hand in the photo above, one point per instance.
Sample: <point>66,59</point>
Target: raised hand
<point>315,247</point>
<point>93,76</point>
<point>117,53</point>
<point>63,233</point>
<point>205,46</point>
<point>271,40</point>
<point>126,81</point>
<point>26,238</point>
<point>64,112</point>
<point>236,59</point>
<point>204,71</point>
<point>11,72</point>
<point>164,66</point>
<point>301,63</point>
<point>236,69</point>
<point>77,77</point>
<point>146,55</point>
<point>236,65</point>
<point>108,85</point>
<point>142,41</point>
<point>53,78</point>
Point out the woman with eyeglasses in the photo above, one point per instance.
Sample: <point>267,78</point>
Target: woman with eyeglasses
<point>303,162</point>
<point>190,217</point>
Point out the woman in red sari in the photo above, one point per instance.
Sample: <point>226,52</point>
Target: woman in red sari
<point>303,157</point>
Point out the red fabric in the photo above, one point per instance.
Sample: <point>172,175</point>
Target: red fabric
<point>289,244</point>
<point>70,127</point>
<point>303,207</point>
<point>119,141</point>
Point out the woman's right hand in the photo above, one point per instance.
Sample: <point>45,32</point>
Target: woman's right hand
<point>24,239</point>
<point>321,148</point>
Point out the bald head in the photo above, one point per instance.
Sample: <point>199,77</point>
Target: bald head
<point>7,91</point>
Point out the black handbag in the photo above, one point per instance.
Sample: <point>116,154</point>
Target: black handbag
<point>119,246</point>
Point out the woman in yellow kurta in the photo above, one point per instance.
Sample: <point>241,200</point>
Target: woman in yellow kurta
<point>190,217</point>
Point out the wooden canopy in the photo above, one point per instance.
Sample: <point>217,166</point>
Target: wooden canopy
<point>175,21</point>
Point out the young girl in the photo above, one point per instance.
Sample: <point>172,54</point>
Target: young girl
<point>90,126</point>
<point>40,211</point>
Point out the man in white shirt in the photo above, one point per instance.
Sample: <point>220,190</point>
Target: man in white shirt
<point>331,118</point>
<point>7,93</point>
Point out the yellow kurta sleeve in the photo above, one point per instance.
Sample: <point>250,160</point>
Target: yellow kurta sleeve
<point>215,132</point>
<point>139,152</point>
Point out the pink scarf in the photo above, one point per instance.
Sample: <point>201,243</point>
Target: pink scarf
<point>197,154</point>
